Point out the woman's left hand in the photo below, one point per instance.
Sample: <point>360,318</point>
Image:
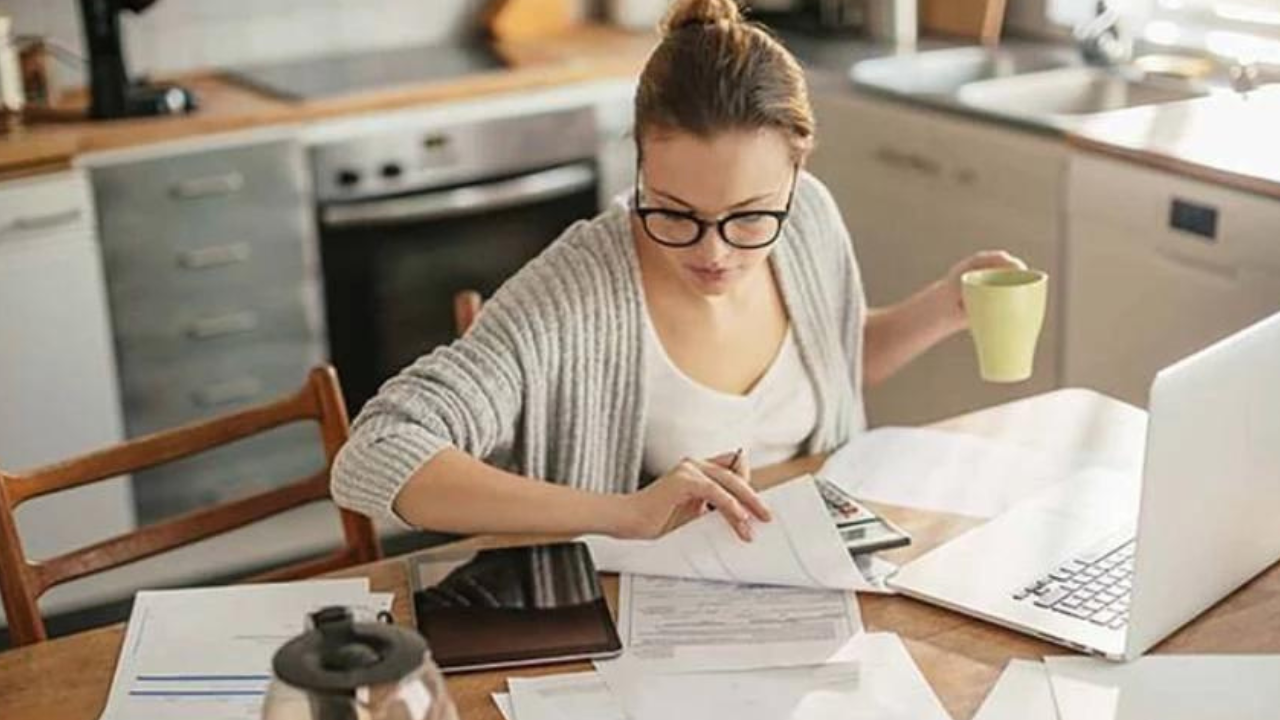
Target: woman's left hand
<point>951,298</point>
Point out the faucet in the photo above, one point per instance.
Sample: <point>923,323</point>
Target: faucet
<point>1249,76</point>
<point>1101,40</point>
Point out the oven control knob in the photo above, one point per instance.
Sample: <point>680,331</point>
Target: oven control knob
<point>392,170</point>
<point>348,178</point>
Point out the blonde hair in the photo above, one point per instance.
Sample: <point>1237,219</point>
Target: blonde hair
<point>713,71</point>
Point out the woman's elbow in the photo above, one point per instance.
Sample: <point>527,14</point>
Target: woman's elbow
<point>344,482</point>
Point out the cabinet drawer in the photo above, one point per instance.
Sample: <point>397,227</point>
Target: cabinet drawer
<point>161,394</point>
<point>172,327</point>
<point>203,198</point>
<point>882,148</point>
<point>147,287</point>
<point>1144,201</point>
<point>45,204</point>
<point>867,144</point>
<point>997,167</point>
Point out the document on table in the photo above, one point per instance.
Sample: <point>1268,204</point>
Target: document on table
<point>800,547</point>
<point>1168,687</point>
<point>207,653</point>
<point>942,471</point>
<point>503,701</point>
<point>571,696</point>
<point>1021,693</point>
<point>881,683</point>
<point>679,625</point>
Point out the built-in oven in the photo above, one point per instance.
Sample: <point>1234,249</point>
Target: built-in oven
<point>408,219</point>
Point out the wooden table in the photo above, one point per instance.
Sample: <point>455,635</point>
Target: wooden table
<point>68,678</point>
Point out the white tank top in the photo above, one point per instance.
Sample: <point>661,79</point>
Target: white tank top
<point>688,419</point>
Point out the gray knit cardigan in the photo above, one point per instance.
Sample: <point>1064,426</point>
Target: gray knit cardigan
<point>549,383</point>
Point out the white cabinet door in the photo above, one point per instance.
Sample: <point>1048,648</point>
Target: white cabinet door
<point>919,191</point>
<point>58,392</point>
<point>1144,293</point>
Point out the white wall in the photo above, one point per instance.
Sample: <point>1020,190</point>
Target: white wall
<point>177,35</point>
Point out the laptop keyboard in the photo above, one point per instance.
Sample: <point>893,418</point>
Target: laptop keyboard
<point>1093,588</point>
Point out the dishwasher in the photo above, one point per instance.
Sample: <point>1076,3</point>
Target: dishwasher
<point>1158,266</point>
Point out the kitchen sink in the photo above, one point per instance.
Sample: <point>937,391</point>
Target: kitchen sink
<point>943,72</point>
<point>1071,91</point>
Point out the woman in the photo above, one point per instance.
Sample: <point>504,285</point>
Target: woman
<point>714,321</point>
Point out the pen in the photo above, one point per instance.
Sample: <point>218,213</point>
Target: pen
<point>733,467</point>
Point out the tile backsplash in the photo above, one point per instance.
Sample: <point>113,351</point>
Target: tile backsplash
<point>178,35</point>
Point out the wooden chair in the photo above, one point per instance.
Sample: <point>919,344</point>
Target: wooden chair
<point>466,306</point>
<point>22,582</point>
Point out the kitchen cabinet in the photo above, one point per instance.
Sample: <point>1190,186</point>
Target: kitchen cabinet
<point>214,284</point>
<point>919,190</point>
<point>58,392</point>
<point>1159,266</point>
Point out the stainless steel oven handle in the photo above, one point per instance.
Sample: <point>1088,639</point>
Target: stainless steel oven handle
<point>467,200</point>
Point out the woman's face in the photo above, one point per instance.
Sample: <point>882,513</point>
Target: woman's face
<point>728,173</point>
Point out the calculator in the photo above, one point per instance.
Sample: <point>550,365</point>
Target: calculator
<point>861,529</point>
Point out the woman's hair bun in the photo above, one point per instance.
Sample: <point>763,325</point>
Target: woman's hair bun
<point>687,13</point>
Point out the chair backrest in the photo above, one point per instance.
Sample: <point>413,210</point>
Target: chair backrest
<point>22,581</point>
<point>466,306</point>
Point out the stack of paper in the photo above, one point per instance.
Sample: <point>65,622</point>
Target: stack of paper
<point>878,681</point>
<point>1169,687</point>
<point>207,653</point>
<point>800,547</point>
<point>713,626</point>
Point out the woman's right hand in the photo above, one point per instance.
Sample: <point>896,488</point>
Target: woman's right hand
<point>694,484</point>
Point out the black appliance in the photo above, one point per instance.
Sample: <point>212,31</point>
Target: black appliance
<point>414,211</point>
<point>835,18</point>
<point>113,94</point>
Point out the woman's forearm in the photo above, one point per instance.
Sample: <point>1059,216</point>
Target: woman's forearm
<point>897,334</point>
<point>456,493</point>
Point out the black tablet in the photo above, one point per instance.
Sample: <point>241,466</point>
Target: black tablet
<point>514,606</point>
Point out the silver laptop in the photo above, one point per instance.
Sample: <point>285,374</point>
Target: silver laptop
<point>1111,564</point>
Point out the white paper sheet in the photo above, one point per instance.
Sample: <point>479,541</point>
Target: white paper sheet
<point>681,625</point>
<point>207,653</point>
<point>503,701</point>
<point>800,547</point>
<point>883,683</point>
<point>1021,693</point>
<point>571,696</point>
<point>1168,687</point>
<point>942,471</point>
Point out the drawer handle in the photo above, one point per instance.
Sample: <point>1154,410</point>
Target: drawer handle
<point>212,257</point>
<point>906,161</point>
<point>210,186</point>
<point>45,222</point>
<point>226,393</point>
<point>222,325</point>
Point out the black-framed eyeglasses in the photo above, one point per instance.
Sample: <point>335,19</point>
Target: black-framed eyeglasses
<point>746,230</point>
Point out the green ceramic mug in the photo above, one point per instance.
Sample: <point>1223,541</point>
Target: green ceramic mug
<point>1006,312</point>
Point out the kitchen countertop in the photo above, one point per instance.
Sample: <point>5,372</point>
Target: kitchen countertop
<point>585,53</point>
<point>1225,139</point>
<point>1220,139</point>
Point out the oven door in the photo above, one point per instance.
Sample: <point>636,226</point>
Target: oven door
<point>392,265</point>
